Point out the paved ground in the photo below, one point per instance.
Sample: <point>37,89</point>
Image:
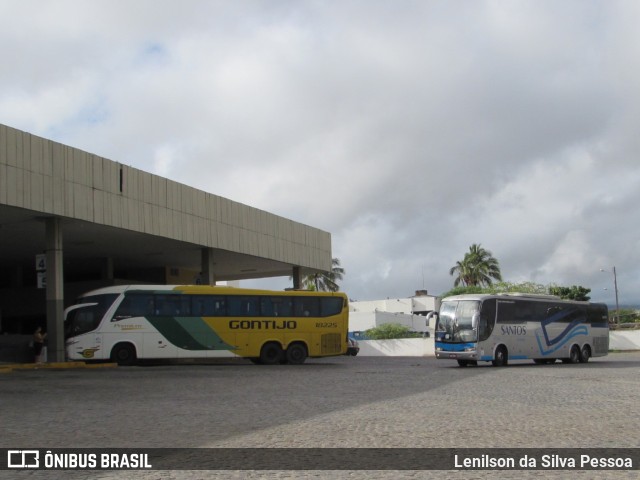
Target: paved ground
<point>341,402</point>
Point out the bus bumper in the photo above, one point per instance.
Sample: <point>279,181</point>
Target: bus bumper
<point>443,354</point>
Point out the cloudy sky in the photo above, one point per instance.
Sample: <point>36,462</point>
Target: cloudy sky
<point>408,129</point>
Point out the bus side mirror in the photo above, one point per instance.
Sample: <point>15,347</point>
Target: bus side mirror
<point>430,316</point>
<point>475,319</point>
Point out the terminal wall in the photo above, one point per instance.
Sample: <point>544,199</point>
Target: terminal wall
<point>45,176</point>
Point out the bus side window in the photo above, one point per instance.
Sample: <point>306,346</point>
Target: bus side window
<point>524,312</point>
<point>268,308</point>
<point>242,306</point>
<point>275,306</point>
<point>330,306</point>
<point>506,311</point>
<point>197,306</point>
<point>134,305</point>
<point>553,312</point>
<point>306,306</point>
<point>172,305</point>
<point>208,306</point>
<point>597,315</point>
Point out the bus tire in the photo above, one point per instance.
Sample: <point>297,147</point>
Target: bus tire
<point>271,354</point>
<point>574,355</point>
<point>501,358</point>
<point>123,354</point>
<point>296,353</point>
<point>585,354</point>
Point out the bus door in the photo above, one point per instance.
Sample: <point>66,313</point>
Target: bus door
<point>486,326</point>
<point>505,326</point>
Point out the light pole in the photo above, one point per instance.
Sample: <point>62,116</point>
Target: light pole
<point>615,288</point>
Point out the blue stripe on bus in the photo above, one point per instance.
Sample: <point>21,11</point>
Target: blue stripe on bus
<point>487,358</point>
<point>454,347</point>
<point>578,330</point>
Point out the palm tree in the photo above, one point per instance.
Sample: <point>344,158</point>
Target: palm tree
<point>464,273</point>
<point>477,268</point>
<point>325,281</point>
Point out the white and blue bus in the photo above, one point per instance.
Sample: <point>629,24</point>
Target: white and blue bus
<point>498,328</point>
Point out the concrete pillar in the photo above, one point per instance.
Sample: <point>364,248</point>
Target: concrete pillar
<point>207,276</point>
<point>55,296</point>
<point>297,278</point>
<point>107,269</point>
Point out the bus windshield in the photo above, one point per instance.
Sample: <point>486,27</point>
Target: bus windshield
<point>455,322</point>
<point>88,314</point>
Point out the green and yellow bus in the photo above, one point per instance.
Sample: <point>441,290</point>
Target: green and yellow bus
<point>131,322</point>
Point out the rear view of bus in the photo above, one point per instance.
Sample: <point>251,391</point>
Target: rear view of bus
<point>499,328</point>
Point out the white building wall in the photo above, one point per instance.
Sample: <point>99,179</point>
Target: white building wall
<point>361,321</point>
<point>373,313</point>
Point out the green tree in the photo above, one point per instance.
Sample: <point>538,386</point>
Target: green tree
<point>574,292</point>
<point>478,268</point>
<point>325,281</point>
<point>500,287</point>
<point>626,315</point>
<point>568,293</point>
<point>462,290</point>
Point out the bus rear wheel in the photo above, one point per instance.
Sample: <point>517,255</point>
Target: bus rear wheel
<point>574,355</point>
<point>123,354</point>
<point>270,354</point>
<point>585,354</point>
<point>501,358</point>
<point>296,354</point>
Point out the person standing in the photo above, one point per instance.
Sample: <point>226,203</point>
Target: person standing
<point>38,344</point>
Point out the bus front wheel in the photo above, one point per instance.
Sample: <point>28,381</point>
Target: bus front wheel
<point>296,354</point>
<point>270,354</point>
<point>124,354</point>
<point>501,358</point>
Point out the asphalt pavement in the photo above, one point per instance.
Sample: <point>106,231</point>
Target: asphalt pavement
<point>340,402</point>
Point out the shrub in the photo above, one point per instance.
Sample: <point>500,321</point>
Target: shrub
<point>389,331</point>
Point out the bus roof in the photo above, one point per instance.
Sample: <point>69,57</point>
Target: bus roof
<point>528,296</point>
<point>205,290</point>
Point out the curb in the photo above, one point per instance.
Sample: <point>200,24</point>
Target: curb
<point>53,366</point>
